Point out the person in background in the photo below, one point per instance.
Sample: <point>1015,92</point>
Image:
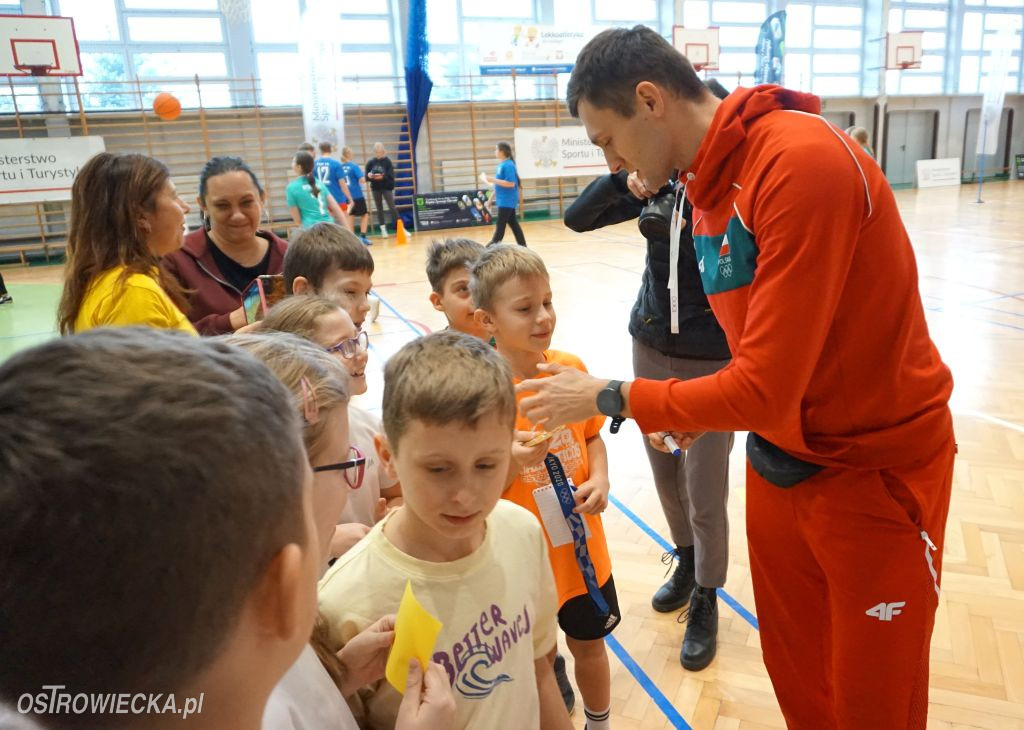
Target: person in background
<point>125,216</point>
<point>356,179</point>
<point>506,194</point>
<point>331,174</point>
<point>5,297</point>
<point>308,202</point>
<point>218,261</point>
<point>381,173</point>
<point>861,137</point>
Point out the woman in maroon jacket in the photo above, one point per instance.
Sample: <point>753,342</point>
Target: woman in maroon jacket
<point>218,261</point>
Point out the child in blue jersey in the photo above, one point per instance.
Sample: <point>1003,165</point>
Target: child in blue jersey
<point>506,194</point>
<point>329,173</point>
<point>354,176</point>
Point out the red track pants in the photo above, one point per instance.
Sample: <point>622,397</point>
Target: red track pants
<point>846,586</point>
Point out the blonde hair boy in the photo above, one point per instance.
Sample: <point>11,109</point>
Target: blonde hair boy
<point>448,413</point>
<point>511,289</point>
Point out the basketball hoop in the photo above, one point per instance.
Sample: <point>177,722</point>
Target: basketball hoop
<point>40,69</point>
<point>904,65</point>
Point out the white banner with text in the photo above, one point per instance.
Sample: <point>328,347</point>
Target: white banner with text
<point>43,168</point>
<point>557,152</point>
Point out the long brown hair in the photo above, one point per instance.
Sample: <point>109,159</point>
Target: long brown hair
<point>304,161</point>
<point>107,197</point>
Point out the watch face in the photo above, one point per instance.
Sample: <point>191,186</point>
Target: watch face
<point>609,400</point>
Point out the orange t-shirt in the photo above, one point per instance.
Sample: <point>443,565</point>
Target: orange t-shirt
<point>570,446</point>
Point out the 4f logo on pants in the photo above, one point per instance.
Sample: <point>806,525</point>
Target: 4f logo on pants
<point>885,611</point>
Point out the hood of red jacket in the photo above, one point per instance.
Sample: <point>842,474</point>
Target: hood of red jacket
<point>723,151</point>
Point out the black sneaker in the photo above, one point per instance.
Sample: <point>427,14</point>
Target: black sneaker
<point>700,642</point>
<point>676,592</point>
<point>568,696</point>
<point>6,298</point>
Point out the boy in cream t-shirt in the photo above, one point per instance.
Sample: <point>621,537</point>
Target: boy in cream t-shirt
<point>479,566</point>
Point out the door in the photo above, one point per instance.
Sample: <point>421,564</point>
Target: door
<point>910,136</point>
<point>996,164</point>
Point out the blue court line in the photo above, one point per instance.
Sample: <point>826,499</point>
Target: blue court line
<point>667,547</point>
<point>940,310</point>
<point>647,684</point>
<point>398,314</point>
<point>996,299</point>
<point>998,311</point>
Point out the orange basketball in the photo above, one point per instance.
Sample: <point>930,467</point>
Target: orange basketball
<point>167,106</point>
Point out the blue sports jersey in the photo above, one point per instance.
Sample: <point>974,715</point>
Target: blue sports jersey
<point>507,197</point>
<point>328,171</point>
<point>353,173</point>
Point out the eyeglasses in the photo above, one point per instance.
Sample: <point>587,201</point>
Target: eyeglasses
<point>352,469</point>
<point>349,348</point>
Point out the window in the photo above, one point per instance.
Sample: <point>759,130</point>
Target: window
<point>279,74</point>
<point>633,12</point>
<point>174,64</point>
<point>493,9</point>
<point>172,29</point>
<point>824,43</point>
<point>275,21</point>
<point>95,20</point>
<point>978,37</point>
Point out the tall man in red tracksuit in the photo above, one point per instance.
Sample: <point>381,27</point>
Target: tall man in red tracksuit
<point>811,274</point>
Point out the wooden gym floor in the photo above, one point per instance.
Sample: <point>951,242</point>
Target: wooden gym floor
<point>971,260</point>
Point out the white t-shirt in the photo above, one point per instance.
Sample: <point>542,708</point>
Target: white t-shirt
<point>497,605</point>
<point>306,698</point>
<point>362,502</point>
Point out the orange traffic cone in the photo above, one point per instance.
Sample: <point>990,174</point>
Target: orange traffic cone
<point>401,237</point>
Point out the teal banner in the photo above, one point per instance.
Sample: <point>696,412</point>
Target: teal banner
<point>771,47</point>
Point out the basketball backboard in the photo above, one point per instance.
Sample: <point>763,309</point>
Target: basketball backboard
<point>38,45</point>
<point>903,50</point>
<point>700,46</point>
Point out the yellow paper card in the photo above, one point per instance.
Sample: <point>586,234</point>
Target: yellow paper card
<point>415,633</point>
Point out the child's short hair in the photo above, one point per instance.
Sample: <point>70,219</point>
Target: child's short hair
<point>319,249</point>
<point>444,377</point>
<point>147,478</point>
<point>325,147</point>
<point>294,359</point>
<point>306,147</point>
<point>445,256</point>
<point>499,263</point>
<point>298,314</point>
<point>859,134</point>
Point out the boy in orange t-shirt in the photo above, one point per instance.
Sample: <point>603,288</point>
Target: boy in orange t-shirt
<point>510,288</point>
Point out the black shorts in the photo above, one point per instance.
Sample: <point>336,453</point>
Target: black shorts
<point>358,207</point>
<point>579,619</point>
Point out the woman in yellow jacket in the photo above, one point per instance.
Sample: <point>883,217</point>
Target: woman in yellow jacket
<point>125,215</point>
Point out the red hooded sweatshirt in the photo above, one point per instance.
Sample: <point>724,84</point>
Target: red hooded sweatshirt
<point>811,274</point>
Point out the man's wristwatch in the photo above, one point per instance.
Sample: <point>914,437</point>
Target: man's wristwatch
<point>609,402</point>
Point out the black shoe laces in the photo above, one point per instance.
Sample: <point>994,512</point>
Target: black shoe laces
<point>698,610</point>
<point>669,559</point>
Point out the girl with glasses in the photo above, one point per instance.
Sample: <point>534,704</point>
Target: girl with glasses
<point>329,326</point>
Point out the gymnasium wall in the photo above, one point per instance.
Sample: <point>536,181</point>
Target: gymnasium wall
<point>456,143</point>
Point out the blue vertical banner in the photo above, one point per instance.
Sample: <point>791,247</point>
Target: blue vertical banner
<point>418,86</point>
<point>771,47</point>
